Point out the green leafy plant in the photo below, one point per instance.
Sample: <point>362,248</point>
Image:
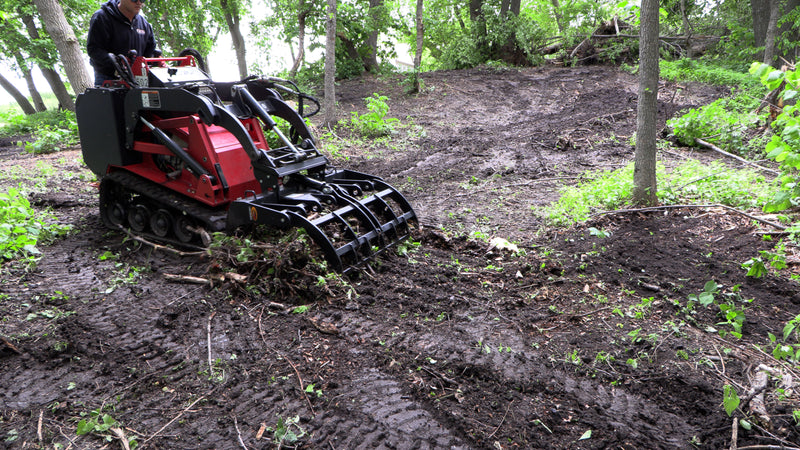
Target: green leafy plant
<point>374,123</point>
<point>287,432</point>
<point>730,399</point>
<point>21,228</point>
<point>784,147</point>
<point>102,424</point>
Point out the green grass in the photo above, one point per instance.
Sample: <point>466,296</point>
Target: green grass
<point>690,183</point>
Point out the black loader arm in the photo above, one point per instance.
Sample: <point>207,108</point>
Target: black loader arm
<point>163,101</point>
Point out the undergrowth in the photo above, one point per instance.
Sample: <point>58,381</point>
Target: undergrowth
<point>50,131</point>
<point>690,183</point>
<point>22,228</point>
<point>276,264</point>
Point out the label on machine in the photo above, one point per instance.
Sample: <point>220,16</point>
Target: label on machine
<point>151,99</point>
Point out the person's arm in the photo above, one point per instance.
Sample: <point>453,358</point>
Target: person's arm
<point>99,36</point>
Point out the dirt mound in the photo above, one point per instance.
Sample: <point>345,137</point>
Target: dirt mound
<point>584,338</point>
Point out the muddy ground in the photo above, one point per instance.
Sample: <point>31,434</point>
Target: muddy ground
<point>581,340</point>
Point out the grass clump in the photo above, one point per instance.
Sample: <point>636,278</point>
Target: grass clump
<point>711,72</point>
<point>691,182</point>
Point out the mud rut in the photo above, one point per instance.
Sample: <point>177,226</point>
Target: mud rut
<point>433,351</point>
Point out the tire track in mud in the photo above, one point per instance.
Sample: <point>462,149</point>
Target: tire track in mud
<point>473,350</point>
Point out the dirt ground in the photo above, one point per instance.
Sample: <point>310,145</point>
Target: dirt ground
<point>584,339</point>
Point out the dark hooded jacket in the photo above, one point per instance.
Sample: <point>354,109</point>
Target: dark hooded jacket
<point>111,32</point>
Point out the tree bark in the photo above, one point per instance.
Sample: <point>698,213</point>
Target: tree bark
<point>772,32</point>
<point>69,48</point>
<point>371,59</point>
<point>22,101</point>
<point>420,37</point>
<point>329,102</point>
<point>301,37</point>
<point>233,19</point>
<point>50,75</point>
<point>644,172</point>
<point>419,43</point>
<point>38,103</point>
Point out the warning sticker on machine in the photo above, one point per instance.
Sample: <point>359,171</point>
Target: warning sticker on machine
<point>151,99</point>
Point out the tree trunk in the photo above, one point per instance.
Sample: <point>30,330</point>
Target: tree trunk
<point>687,29</point>
<point>38,103</point>
<point>50,75</point>
<point>557,15</point>
<point>371,59</point>
<point>301,38</point>
<point>644,172</point>
<point>418,50</point>
<point>329,102</point>
<point>420,37</point>
<point>761,12</point>
<point>233,20</point>
<point>772,33</point>
<point>23,102</point>
<point>69,48</point>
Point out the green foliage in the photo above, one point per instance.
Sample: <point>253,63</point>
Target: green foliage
<point>689,182</point>
<point>784,147</point>
<point>374,123</point>
<point>21,228</point>
<point>101,424</point>
<point>51,130</point>
<point>724,123</point>
<point>730,399</point>
<point>708,71</point>
<point>287,432</point>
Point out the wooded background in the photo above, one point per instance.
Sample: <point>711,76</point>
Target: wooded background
<point>443,34</point>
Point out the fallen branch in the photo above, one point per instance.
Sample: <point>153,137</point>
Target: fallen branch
<point>711,146</point>
<point>238,433</point>
<point>210,367</point>
<point>756,394</point>
<point>177,417</point>
<point>123,440</point>
<point>160,246</point>
<point>734,434</point>
<point>230,276</point>
<point>713,205</point>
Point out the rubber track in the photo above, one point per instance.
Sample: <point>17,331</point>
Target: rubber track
<point>212,219</point>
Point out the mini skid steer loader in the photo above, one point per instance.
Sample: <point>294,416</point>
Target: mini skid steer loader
<point>180,156</point>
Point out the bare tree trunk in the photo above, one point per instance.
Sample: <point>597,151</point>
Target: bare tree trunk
<point>772,32</point>
<point>233,20</point>
<point>38,103</point>
<point>301,38</point>
<point>329,102</point>
<point>644,172</point>
<point>371,60</point>
<point>687,29</point>
<point>761,13</point>
<point>50,75</point>
<point>420,37</point>
<point>23,102</point>
<point>418,52</point>
<point>69,48</point>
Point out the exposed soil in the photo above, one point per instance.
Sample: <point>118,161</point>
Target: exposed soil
<point>580,341</point>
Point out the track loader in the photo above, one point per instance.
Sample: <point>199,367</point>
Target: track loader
<point>180,156</point>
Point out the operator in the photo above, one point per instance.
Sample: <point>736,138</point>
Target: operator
<point>117,28</point>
